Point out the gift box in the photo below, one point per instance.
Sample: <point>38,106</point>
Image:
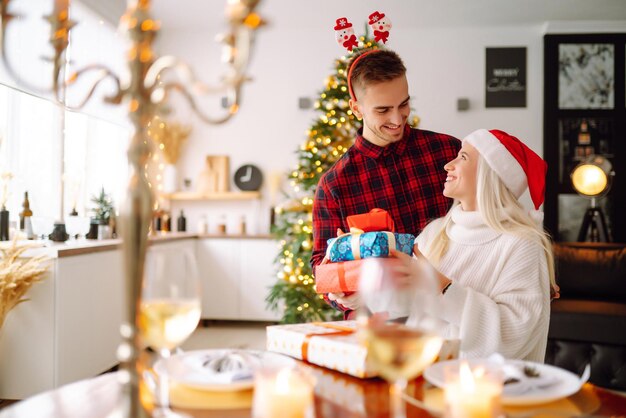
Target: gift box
<point>375,220</point>
<point>334,345</point>
<point>356,246</point>
<point>344,276</point>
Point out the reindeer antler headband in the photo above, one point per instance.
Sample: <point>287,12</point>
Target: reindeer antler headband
<point>344,34</point>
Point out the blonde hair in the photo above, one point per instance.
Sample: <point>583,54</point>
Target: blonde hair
<point>501,211</point>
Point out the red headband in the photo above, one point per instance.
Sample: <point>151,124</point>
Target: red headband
<point>352,66</point>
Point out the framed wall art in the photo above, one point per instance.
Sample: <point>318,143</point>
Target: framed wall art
<point>505,78</point>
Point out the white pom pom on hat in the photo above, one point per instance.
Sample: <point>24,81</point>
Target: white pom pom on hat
<point>517,165</point>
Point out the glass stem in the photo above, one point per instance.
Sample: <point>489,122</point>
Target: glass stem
<point>164,386</point>
<point>398,407</point>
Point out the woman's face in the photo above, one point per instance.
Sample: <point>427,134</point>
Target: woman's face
<point>461,180</point>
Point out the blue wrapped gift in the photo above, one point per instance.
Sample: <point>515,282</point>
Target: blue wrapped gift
<point>356,246</point>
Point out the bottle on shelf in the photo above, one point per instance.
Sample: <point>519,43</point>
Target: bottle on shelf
<point>25,211</point>
<point>181,222</point>
<point>26,224</point>
<point>166,222</point>
<point>203,225</point>
<point>242,225</point>
<point>221,225</point>
<point>4,224</point>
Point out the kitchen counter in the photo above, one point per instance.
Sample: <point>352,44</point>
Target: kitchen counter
<point>86,246</point>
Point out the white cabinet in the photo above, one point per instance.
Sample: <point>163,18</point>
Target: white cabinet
<point>27,344</point>
<point>69,327</point>
<point>237,275</point>
<point>219,266</point>
<point>90,307</point>
<point>258,274</point>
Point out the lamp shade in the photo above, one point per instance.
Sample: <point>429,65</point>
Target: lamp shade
<point>592,177</point>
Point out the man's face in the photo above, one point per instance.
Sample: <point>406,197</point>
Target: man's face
<point>384,108</point>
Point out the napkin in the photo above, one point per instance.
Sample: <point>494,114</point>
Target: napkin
<point>221,367</point>
<point>523,377</point>
<point>224,368</point>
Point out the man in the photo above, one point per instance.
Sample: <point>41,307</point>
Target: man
<point>390,166</point>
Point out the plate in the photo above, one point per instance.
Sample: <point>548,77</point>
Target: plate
<point>193,368</point>
<point>562,383</point>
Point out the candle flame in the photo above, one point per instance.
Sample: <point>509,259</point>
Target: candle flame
<point>466,377</point>
<point>282,381</point>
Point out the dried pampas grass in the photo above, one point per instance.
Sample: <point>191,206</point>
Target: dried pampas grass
<point>17,276</point>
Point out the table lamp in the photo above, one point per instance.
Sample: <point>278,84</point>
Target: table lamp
<point>592,179</point>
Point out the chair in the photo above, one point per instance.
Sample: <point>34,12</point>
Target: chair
<point>588,322</point>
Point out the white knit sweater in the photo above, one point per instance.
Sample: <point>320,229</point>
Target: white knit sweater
<point>499,300</point>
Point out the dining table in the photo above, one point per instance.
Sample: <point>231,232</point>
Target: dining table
<point>335,395</point>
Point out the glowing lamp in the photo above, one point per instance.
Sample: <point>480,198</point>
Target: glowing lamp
<point>592,179</point>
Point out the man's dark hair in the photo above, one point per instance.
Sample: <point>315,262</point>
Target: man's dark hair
<point>376,67</point>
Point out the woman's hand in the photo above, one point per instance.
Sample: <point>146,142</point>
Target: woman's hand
<point>409,269</point>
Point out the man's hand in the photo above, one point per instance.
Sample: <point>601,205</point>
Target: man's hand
<point>351,302</point>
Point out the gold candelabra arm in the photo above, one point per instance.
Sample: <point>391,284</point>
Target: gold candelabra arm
<point>60,26</point>
<point>104,73</point>
<point>190,87</point>
<point>182,71</point>
<point>233,98</point>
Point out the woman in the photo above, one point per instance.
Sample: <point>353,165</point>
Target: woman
<point>493,259</point>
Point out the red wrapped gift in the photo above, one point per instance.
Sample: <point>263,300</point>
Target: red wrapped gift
<point>375,220</point>
<point>343,276</point>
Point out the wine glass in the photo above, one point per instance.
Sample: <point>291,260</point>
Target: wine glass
<point>84,224</point>
<point>42,227</point>
<point>398,322</point>
<point>72,226</point>
<point>169,311</point>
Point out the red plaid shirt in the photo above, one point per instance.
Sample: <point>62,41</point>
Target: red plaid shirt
<point>405,178</point>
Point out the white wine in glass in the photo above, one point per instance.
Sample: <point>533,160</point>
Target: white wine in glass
<point>398,324</point>
<point>169,311</point>
<point>167,323</point>
<point>400,352</point>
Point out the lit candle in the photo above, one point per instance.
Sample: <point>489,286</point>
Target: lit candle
<point>473,393</point>
<point>283,393</point>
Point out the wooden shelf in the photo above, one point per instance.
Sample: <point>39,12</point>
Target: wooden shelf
<point>192,196</point>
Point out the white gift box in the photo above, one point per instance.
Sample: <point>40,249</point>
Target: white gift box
<point>334,345</point>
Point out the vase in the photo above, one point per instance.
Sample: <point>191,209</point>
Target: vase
<point>170,179</point>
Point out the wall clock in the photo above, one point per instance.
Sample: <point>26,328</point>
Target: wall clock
<point>248,177</point>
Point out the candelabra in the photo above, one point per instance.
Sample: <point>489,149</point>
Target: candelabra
<point>144,93</point>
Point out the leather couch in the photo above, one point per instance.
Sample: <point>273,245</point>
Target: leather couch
<point>588,321</point>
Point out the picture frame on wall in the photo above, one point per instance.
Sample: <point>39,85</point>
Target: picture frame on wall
<point>505,82</point>
<point>586,76</point>
<point>583,115</point>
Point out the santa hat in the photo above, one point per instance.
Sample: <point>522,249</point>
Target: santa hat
<point>517,165</point>
<point>375,17</point>
<point>342,23</point>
